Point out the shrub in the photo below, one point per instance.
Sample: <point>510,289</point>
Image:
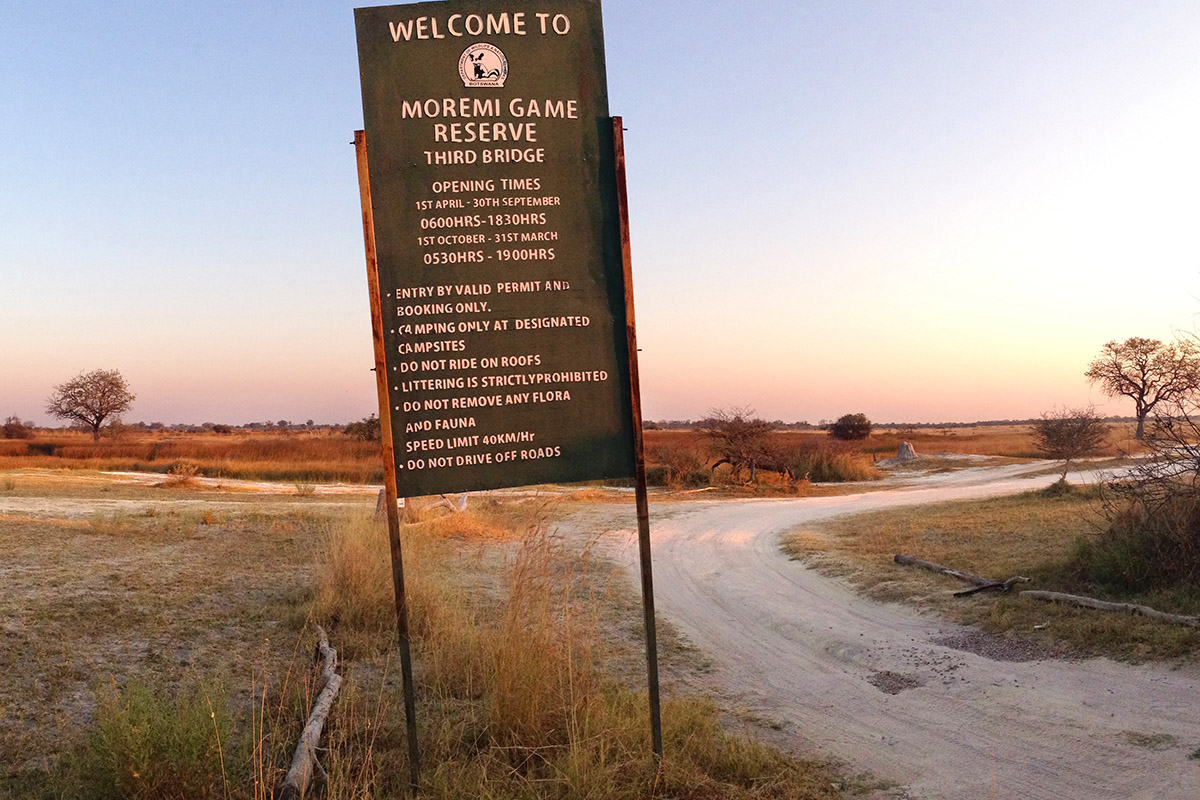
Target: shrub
<point>676,464</point>
<point>149,744</point>
<point>656,475</point>
<point>116,429</point>
<point>1153,535</point>
<point>851,426</point>
<point>1145,546</point>
<point>828,462</point>
<point>13,428</point>
<point>366,429</point>
<point>1060,488</point>
<point>182,474</point>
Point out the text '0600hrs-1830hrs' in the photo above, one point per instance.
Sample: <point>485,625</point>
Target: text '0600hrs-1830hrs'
<point>497,235</point>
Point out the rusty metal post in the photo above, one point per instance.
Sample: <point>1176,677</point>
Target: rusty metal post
<point>639,453</point>
<point>389,460</point>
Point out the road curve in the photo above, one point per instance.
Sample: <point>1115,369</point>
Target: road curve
<point>800,649</point>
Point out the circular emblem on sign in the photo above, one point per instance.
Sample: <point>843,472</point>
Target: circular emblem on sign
<point>483,65</point>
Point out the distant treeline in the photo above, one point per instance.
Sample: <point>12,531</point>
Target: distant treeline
<point>650,425</point>
<point>780,425</point>
<point>207,427</point>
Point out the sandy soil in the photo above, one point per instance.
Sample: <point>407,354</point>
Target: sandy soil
<point>869,684</point>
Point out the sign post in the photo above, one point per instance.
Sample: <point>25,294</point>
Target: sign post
<point>639,452</point>
<point>389,462</point>
<point>495,196</point>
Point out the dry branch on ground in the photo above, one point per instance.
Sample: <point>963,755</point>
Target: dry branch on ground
<point>304,761</point>
<point>965,577</point>
<point>980,584</point>
<point>1104,605</point>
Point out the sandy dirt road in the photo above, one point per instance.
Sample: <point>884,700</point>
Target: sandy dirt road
<point>802,650</point>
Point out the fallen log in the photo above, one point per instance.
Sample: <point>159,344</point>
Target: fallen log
<point>966,577</point>
<point>1104,605</point>
<point>304,760</point>
<point>994,586</point>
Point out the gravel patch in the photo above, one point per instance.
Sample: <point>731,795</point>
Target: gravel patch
<point>1005,648</point>
<point>893,682</point>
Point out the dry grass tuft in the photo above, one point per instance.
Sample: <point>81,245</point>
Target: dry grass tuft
<point>514,691</point>
<point>181,475</point>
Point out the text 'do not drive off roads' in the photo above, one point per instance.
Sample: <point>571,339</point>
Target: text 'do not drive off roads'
<point>494,201</point>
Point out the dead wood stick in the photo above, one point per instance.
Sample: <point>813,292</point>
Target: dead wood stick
<point>1104,605</point>
<point>966,577</point>
<point>304,760</point>
<point>994,586</point>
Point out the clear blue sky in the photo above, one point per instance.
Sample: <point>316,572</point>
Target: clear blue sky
<point>921,210</point>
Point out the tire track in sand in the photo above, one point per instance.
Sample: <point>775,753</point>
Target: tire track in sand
<point>799,648</point>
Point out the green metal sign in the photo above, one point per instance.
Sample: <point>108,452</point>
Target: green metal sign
<point>494,198</point>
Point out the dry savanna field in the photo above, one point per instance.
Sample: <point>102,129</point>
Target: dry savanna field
<point>158,633</point>
<point>158,643</point>
<point>324,456</point>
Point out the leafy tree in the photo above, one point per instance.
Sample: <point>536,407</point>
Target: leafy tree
<point>1148,372</point>
<point>90,398</point>
<point>851,426</point>
<point>1069,434</point>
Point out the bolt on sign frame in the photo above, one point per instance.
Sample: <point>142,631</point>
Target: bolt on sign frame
<point>495,220</point>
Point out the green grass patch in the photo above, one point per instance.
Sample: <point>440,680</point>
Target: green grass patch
<point>147,742</point>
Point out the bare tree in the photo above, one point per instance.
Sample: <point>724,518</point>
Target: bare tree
<point>737,438</point>
<point>1148,372</point>
<point>90,398</point>
<point>1069,434</point>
